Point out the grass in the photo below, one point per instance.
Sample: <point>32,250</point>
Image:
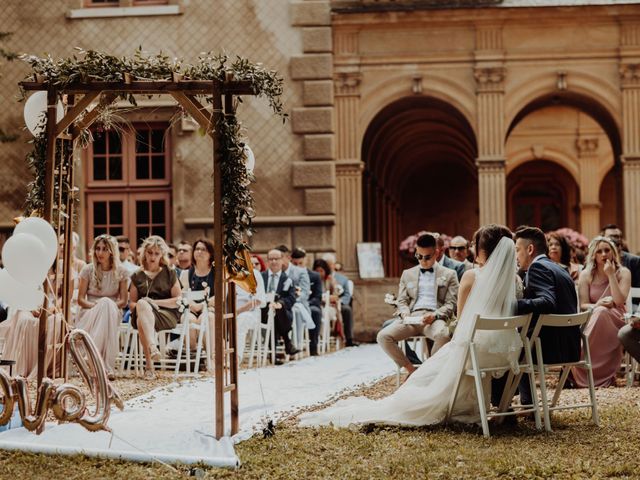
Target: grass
<point>575,449</point>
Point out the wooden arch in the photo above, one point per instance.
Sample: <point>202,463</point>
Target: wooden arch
<point>80,115</point>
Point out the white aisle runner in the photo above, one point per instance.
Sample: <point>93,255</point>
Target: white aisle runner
<point>175,423</point>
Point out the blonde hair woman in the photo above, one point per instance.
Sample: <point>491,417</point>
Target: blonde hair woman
<point>603,286</point>
<point>102,294</point>
<point>153,295</point>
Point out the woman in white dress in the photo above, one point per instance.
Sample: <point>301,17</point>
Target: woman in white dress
<point>424,398</point>
<point>248,307</point>
<point>102,294</point>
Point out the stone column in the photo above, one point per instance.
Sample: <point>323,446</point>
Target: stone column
<point>587,148</point>
<point>491,186</point>
<point>348,164</point>
<point>630,84</point>
<point>315,174</point>
<point>349,212</point>
<point>491,130</point>
<point>489,73</point>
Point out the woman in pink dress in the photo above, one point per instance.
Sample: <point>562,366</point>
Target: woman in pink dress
<point>102,294</point>
<point>21,337</point>
<point>21,341</point>
<point>603,286</point>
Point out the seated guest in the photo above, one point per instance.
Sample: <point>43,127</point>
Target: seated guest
<point>631,262</point>
<point>345,299</point>
<point>258,263</point>
<point>248,307</point>
<point>183,255</point>
<point>283,292</point>
<point>429,291</point>
<point>21,341</point>
<point>560,252</point>
<point>21,337</point>
<point>445,261</point>
<point>603,285</point>
<point>197,278</point>
<point>330,285</point>
<point>153,295</point>
<point>629,337</point>
<point>124,251</point>
<point>77,264</point>
<point>173,252</point>
<point>300,279</point>
<point>298,258</point>
<point>459,251</point>
<point>102,295</point>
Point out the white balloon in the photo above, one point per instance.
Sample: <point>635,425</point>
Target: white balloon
<point>250,159</point>
<point>34,107</point>
<point>25,259</point>
<point>42,230</point>
<point>17,295</point>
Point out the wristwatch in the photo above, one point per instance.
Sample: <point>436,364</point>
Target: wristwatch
<point>437,316</point>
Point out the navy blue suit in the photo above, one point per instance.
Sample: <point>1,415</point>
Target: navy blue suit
<point>548,289</point>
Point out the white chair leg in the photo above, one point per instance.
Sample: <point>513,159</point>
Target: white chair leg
<point>477,376</point>
<point>592,390</point>
<point>543,387</point>
<point>532,386</point>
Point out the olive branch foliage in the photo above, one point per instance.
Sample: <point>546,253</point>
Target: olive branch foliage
<point>95,66</point>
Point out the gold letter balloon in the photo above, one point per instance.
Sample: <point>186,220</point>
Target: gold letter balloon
<point>66,401</point>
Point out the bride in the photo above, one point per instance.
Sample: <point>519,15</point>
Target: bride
<point>424,398</point>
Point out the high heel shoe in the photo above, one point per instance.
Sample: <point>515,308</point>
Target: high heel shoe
<point>154,353</point>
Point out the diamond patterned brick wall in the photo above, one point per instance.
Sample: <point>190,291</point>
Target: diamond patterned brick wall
<point>257,29</point>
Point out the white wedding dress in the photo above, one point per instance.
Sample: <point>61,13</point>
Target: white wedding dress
<point>424,398</point>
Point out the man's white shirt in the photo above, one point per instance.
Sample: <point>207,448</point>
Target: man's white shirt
<point>426,291</point>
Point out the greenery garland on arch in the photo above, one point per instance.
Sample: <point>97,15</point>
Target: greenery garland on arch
<point>91,65</point>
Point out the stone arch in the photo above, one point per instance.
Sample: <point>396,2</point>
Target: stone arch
<point>578,134</point>
<point>543,193</point>
<point>589,88</point>
<point>419,156</point>
<point>558,157</point>
<point>374,100</point>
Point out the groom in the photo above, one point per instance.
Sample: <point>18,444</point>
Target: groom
<point>548,288</point>
<point>428,293</point>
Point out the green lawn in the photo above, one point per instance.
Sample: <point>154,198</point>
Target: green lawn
<point>576,449</point>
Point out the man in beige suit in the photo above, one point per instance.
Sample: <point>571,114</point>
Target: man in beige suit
<point>426,302</point>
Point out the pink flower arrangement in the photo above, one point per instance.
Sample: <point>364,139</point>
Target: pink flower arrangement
<point>575,239</point>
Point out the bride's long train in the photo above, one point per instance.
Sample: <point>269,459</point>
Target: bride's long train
<point>425,397</point>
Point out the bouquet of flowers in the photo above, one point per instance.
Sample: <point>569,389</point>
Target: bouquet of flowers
<point>575,239</point>
<point>390,299</point>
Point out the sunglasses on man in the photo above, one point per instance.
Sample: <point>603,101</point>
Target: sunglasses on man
<point>423,257</point>
<point>457,248</point>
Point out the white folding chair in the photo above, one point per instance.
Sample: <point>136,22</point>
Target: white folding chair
<point>580,320</point>
<point>629,363</point>
<point>325,328</point>
<point>300,331</point>
<point>263,341</point>
<point>479,373</point>
<point>130,356</point>
<point>184,341</point>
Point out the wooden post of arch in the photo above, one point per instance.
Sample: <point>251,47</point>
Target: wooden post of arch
<point>77,118</point>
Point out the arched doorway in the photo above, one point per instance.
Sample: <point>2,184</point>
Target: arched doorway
<point>420,174</point>
<point>563,164</point>
<point>544,194</point>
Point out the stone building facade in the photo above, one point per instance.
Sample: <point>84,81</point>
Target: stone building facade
<point>405,114</point>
